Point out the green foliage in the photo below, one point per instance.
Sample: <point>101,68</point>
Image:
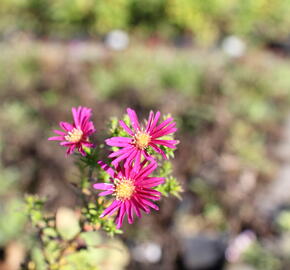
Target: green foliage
<point>208,20</point>
<point>203,190</point>
<point>111,15</point>
<point>35,209</point>
<point>212,210</point>
<point>283,220</point>
<point>92,214</point>
<point>11,226</point>
<point>9,178</point>
<point>248,145</point>
<point>261,258</point>
<point>115,130</point>
<point>171,185</point>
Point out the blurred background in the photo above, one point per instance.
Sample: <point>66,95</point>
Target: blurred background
<point>221,68</point>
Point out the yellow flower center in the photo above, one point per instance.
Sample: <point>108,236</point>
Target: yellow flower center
<point>124,189</point>
<point>142,140</point>
<point>74,136</point>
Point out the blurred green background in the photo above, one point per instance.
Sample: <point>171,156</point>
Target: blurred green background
<point>220,67</point>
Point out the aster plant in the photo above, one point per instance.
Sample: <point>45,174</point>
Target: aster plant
<point>132,190</point>
<point>75,136</point>
<point>137,172</point>
<point>140,138</point>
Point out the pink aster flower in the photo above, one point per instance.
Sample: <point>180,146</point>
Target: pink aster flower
<point>140,139</point>
<point>76,135</point>
<point>132,191</point>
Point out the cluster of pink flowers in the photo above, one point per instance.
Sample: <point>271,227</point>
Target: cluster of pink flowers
<point>130,183</point>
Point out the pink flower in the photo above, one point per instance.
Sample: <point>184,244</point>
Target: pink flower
<point>132,191</point>
<point>135,147</point>
<point>76,135</point>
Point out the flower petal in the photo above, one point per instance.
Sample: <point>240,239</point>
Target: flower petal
<point>119,141</point>
<point>139,204</point>
<point>58,132</point>
<point>158,150</point>
<point>121,152</point>
<point>111,209</point>
<point>167,143</point>
<point>130,158</point>
<point>149,203</point>
<point>165,131</point>
<point>126,128</point>
<point>134,119</point>
<point>163,124</point>
<point>150,119</point>
<point>106,168</point>
<point>103,186</point>
<point>120,216</point>
<point>145,171</point>
<point>153,125</point>
<point>152,181</point>
<point>66,126</point>
<point>129,211</point>
<point>116,161</point>
<point>56,138</point>
<point>104,193</point>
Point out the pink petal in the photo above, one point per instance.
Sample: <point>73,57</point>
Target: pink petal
<point>111,209</point>
<point>149,203</point>
<point>134,119</point>
<point>158,150</point>
<point>66,126</point>
<point>88,128</point>
<point>81,150</point>
<point>67,143</point>
<point>75,113</point>
<point>152,181</point>
<point>137,161</point>
<point>120,216</point>
<point>56,138</point>
<point>84,116</point>
<point>130,158</point>
<point>163,124</point>
<point>87,144</point>
<point>126,128</point>
<point>139,204</point>
<point>104,193</point>
<point>106,168</point>
<point>148,157</point>
<point>136,208</point>
<point>121,152</point>
<point>149,196</point>
<point>118,141</point>
<point>116,161</point>
<point>59,132</point>
<point>150,119</point>
<point>147,170</point>
<point>165,131</point>
<point>129,211</point>
<point>70,149</point>
<point>103,186</point>
<point>153,126</point>
<point>151,191</point>
<point>167,143</point>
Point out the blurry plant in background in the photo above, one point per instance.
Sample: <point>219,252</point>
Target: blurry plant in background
<point>208,21</point>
